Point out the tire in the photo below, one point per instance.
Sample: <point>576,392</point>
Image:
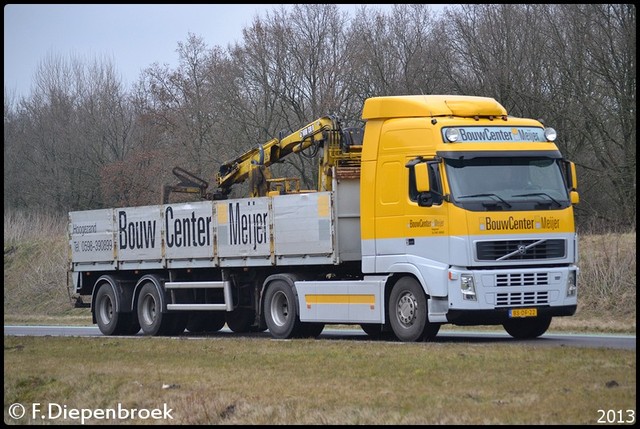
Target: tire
<point>109,321</point>
<point>240,320</point>
<point>206,321</point>
<point>280,311</point>
<point>408,312</point>
<point>523,329</point>
<point>152,320</point>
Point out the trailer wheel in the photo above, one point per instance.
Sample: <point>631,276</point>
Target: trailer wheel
<point>408,312</point>
<point>280,310</point>
<point>152,320</point>
<point>109,321</point>
<point>527,328</point>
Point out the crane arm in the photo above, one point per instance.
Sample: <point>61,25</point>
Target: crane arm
<point>260,158</point>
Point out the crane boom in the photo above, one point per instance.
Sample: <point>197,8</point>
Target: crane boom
<point>324,133</point>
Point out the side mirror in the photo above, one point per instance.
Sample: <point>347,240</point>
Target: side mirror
<point>575,197</point>
<point>420,182</point>
<point>570,174</point>
<point>574,176</point>
<point>572,181</point>
<point>422,177</point>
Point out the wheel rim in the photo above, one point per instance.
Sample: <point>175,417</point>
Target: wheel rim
<point>149,309</point>
<point>406,309</point>
<point>279,308</point>
<point>106,310</point>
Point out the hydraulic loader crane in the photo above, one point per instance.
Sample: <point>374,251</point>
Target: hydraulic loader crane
<point>338,151</point>
<point>323,138</point>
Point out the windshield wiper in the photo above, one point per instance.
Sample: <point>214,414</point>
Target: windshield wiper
<point>486,195</point>
<point>537,194</point>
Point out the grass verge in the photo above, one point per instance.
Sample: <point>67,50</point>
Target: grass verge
<point>262,381</point>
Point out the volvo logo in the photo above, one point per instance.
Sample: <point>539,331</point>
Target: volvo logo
<point>522,249</point>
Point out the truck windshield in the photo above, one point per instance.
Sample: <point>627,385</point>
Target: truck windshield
<point>507,183</point>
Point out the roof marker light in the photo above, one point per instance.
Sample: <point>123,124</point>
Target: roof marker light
<point>550,134</point>
<point>452,134</point>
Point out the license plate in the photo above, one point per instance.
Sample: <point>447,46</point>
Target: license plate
<point>523,312</point>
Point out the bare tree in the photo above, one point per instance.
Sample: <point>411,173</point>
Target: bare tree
<point>75,121</point>
<point>80,141</point>
<point>598,81</point>
<point>397,52</point>
<point>181,103</point>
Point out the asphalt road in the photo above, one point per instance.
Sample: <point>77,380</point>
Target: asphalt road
<point>625,342</point>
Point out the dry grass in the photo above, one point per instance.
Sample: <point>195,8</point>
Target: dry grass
<point>35,263</point>
<point>261,381</point>
<point>608,274</point>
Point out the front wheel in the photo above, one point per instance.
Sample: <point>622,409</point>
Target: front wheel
<point>527,328</point>
<point>408,312</point>
<point>280,311</point>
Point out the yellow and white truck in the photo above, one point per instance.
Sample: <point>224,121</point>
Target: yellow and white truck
<point>443,209</point>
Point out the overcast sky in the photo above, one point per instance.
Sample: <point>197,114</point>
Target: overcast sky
<point>132,37</point>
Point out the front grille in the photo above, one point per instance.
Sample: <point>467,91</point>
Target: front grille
<point>522,279</point>
<point>522,298</point>
<point>518,250</point>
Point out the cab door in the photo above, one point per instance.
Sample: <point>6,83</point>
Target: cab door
<point>426,214</point>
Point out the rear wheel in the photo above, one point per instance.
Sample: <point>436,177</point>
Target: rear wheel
<point>152,320</point>
<point>527,328</point>
<point>280,311</point>
<point>109,321</point>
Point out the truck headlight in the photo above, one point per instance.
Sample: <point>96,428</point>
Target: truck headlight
<point>467,287</point>
<point>572,285</point>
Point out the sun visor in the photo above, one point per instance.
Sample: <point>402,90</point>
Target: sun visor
<point>476,106</point>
